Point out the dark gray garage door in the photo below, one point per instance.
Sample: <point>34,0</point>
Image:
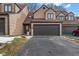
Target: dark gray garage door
<point>2,26</point>
<point>46,29</point>
<point>68,29</point>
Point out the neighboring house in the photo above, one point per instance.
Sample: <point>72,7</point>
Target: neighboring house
<point>47,21</point>
<point>12,16</point>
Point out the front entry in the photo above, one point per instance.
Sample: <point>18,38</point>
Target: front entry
<point>2,26</point>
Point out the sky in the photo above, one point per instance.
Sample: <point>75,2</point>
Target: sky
<point>70,7</point>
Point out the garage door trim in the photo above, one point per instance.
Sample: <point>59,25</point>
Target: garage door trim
<point>32,24</point>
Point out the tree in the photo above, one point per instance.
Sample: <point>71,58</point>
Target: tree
<point>61,8</point>
<point>33,6</point>
<point>57,8</point>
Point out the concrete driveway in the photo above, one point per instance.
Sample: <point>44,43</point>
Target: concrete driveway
<point>49,46</point>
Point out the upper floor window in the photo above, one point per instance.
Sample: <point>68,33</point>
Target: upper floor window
<point>71,17</point>
<point>61,17</point>
<point>8,8</point>
<point>50,15</point>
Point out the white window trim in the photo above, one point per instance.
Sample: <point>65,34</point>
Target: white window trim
<point>60,18</point>
<point>71,17</point>
<point>7,8</point>
<point>50,16</point>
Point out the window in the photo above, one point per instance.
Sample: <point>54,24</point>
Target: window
<point>7,7</point>
<point>71,17</point>
<point>61,18</point>
<point>50,15</point>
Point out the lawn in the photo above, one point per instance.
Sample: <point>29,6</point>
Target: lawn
<point>13,48</point>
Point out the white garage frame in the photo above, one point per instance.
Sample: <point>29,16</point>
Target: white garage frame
<point>32,24</point>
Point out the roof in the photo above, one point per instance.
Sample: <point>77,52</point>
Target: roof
<point>28,18</point>
<point>40,20</point>
<point>65,12</point>
<point>49,9</point>
<point>20,6</point>
<point>59,12</point>
<point>71,22</point>
<point>70,13</point>
<point>40,8</point>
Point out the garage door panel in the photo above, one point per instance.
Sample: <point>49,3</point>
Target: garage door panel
<point>46,29</point>
<point>68,29</point>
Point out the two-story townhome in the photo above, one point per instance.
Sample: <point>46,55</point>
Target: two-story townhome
<point>47,21</point>
<point>12,16</point>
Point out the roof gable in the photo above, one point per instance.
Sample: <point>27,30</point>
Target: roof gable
<point>61,13</point>
<point>20,6</point>
<point>50,9</point>
<point>71,13</point>
<point>43,6</point>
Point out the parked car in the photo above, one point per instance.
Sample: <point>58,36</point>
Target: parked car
<point>75,32</point>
